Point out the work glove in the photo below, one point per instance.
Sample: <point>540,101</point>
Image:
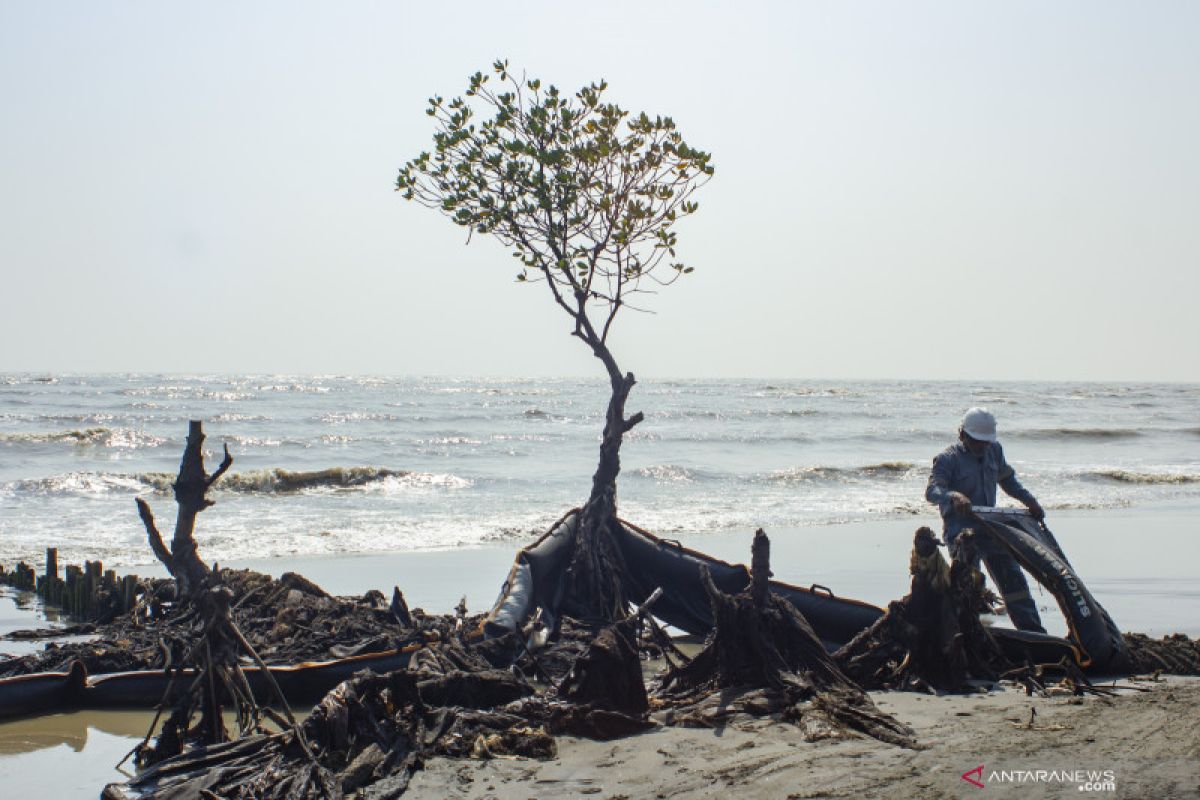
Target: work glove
<point>1036,510</point>
<point>960,502</point>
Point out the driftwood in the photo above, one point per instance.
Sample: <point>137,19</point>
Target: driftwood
<point>608,675</point>
<point>764,659</point>
<point>288,620</point>
<point>214,659</point>
<point>374,729</point>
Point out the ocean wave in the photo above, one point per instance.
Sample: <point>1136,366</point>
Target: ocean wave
<point>86,484</point>
<point>182,392</point>
<point>449,440</point>
<point>668,473</point>
<point>230,416</point>
<point>282,481</point>
<point>493,391</point>
<point>527,437</point>
<point>357,416</point>
<point>257,482</point>
<point>992,400</point>
<point>701,437</point>
<point>792,412</point>
<point>1096,434</point>
<point>262,441</point>
<point>295,388</point>
<point>120,438</point>
<point>797,391</point>
<point>83,436</point>
<point>538,413</point>
<point>1144,478</point>
<point>93,419</point>
<point>884,470</point>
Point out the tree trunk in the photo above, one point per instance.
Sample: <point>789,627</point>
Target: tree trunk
<point>594,592</point>
<point>191,487</point>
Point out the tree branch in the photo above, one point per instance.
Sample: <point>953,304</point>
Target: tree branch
<point>226,463</point>
<point>156,540</point>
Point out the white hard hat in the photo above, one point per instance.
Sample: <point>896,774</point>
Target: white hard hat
<point>980,424</point>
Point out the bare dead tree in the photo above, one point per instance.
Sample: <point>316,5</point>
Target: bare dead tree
<point>191,487</point>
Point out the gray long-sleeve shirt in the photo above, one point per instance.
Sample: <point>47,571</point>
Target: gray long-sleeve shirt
<point>955,469</point>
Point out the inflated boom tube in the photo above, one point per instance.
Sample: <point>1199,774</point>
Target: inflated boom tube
<point>307,682</point>
<point>1090,627</point>
<point>535,581</point>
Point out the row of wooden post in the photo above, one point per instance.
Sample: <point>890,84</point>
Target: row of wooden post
<point>84,592</point>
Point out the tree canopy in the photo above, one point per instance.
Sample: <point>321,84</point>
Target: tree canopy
<point>585,194</point>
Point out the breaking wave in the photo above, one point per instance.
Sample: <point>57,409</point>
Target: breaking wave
<point>1094,434</point>
<point>886,470</point>
<point>282,481</point>
<point>122,438</point>
<point>1144,478</point>
<point>256,482</point>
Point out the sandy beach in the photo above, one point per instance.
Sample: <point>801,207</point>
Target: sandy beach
<point>1142,737</point>
<point>1145,589</point>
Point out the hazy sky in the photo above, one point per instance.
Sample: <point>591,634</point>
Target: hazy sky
<point>1000,190</point>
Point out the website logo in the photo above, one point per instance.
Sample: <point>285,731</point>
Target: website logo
<point>1085,780</point>
<point>977,780</point>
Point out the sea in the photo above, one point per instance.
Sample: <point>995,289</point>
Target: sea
<point>333,464</point>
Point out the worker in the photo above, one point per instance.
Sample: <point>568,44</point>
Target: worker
<point>966,474</point>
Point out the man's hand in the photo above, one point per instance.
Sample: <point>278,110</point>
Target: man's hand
<point>1036,510</point>
<point>960,502</point>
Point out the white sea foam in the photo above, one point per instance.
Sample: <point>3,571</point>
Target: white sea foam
<point>667,473</point>
<point>117,438</point>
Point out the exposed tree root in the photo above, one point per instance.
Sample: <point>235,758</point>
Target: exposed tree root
<point>932,639</point>
<point>763,659</point>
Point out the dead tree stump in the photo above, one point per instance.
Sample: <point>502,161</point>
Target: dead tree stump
<point>763,658</point>
<point>608,675</point>
<point>932,639</point>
